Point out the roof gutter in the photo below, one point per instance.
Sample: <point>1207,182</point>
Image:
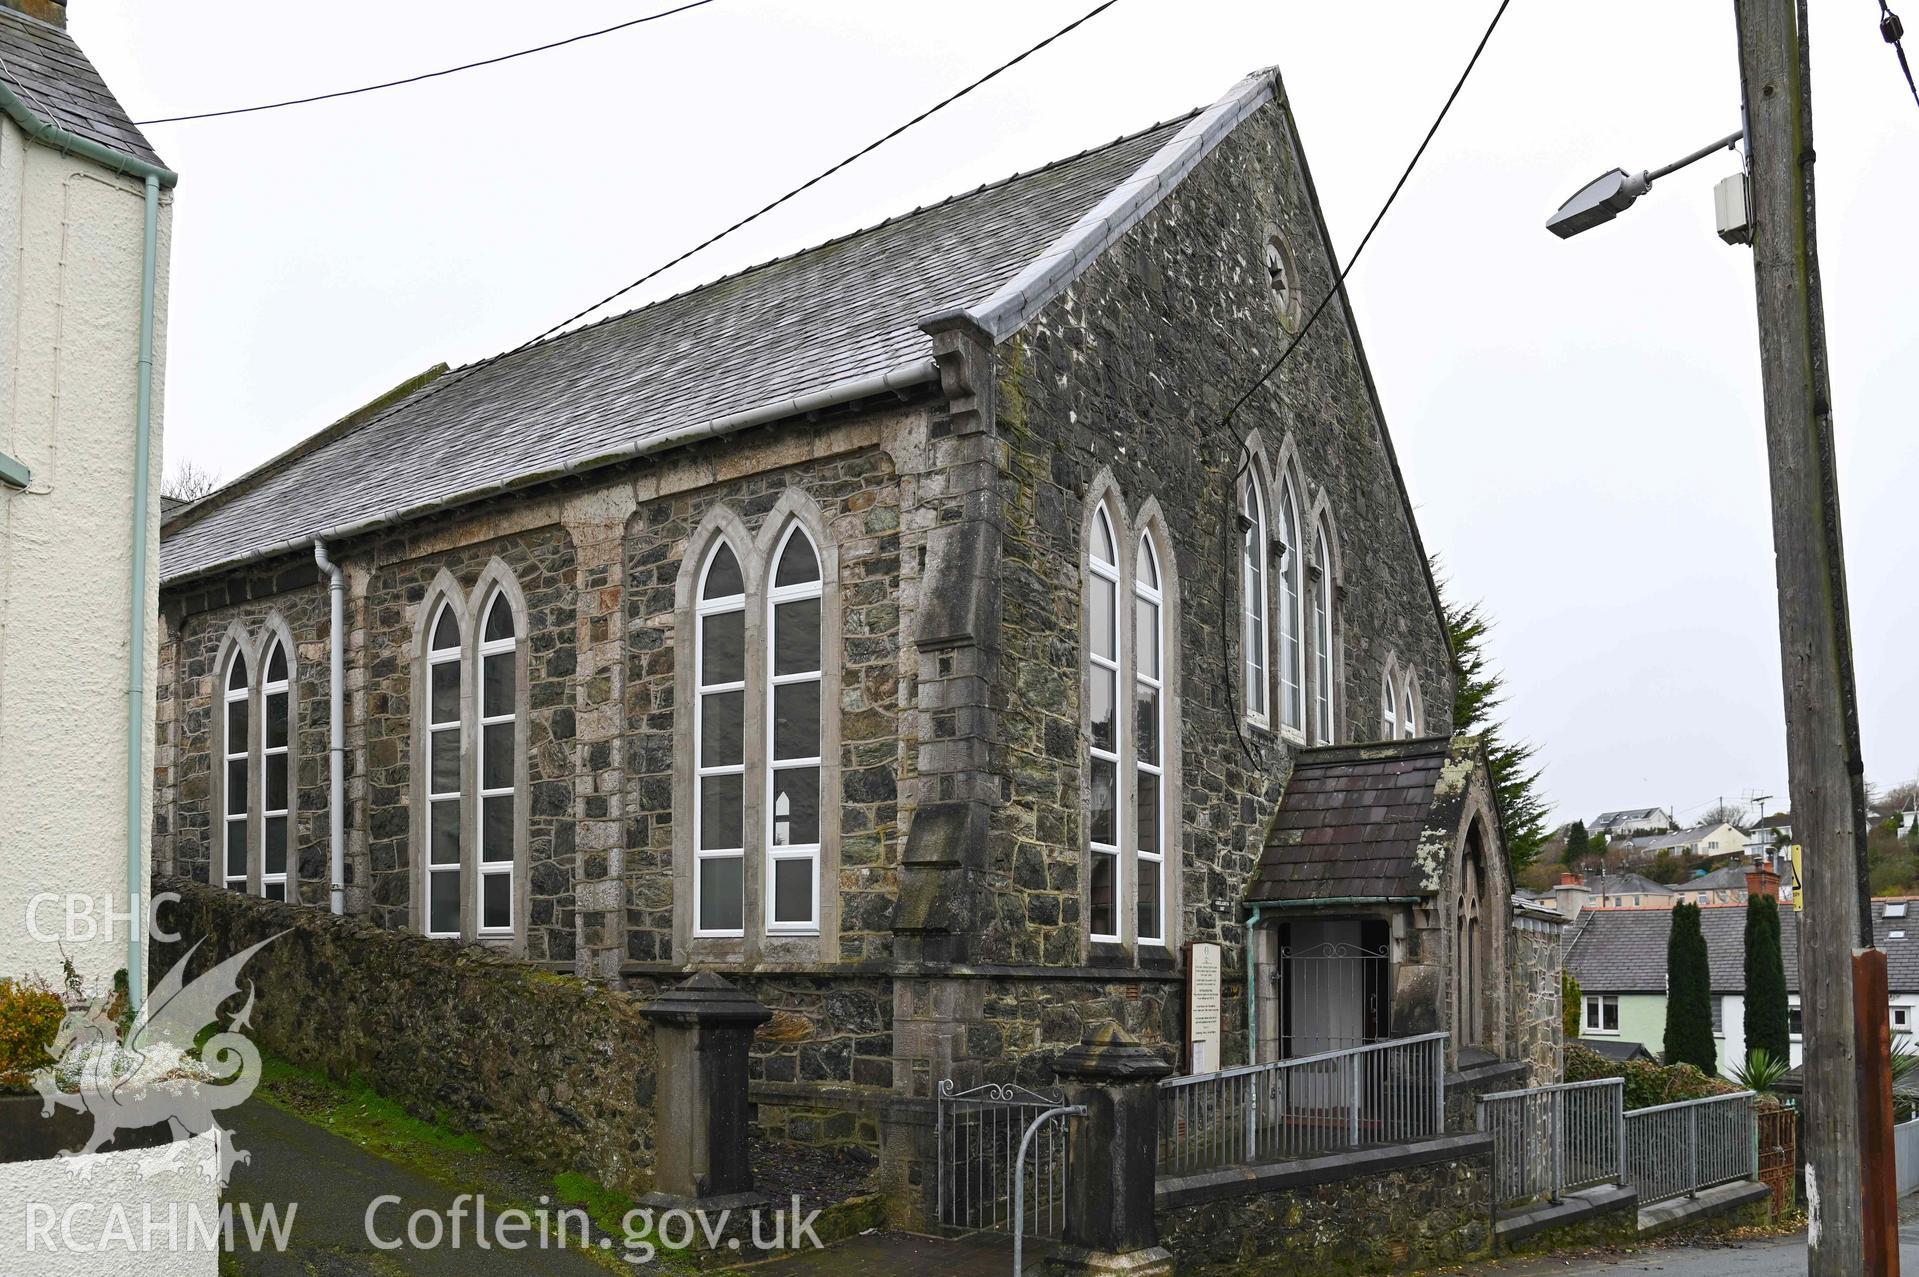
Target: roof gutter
<point>1337,900</point>
<point>899,377</point>
<point>50,134</point>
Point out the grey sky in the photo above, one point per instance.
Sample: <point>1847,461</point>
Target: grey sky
<point>1579,422</point>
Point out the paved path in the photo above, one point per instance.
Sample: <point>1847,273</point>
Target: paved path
<point>334,1180</point>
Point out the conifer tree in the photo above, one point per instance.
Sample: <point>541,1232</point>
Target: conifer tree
<point>1478,690</point>
<point>1689,994</point>
<point>1766,1025</point>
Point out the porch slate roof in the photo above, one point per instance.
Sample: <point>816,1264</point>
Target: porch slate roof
<point>1350,823</point>
<point>49,72</point>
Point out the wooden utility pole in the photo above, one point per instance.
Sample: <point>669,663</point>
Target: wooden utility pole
<point>1815,638</point>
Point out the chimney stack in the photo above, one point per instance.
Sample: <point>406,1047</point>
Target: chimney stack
<point>1762,881</point>
<point>51,12</point>
<point>1570,895</point>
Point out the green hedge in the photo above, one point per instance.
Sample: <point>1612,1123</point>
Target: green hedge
<point>1647,1083</point>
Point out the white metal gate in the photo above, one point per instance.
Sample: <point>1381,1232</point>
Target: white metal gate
<point>979,1136</point>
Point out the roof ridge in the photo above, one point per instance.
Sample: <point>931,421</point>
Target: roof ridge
<point>362,417</point>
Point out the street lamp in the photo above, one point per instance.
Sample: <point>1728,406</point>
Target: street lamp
<point>1609,195</point>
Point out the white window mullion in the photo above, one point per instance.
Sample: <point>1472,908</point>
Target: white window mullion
<point>1106,810</point>
<point>497,779</point>
<point>719,787</point>
<point>1149,746</point>
<point>1253,600</point>
<point>237,778</point>
<point>794,727</point>
<point>445,765</point>
<point>276,777</point>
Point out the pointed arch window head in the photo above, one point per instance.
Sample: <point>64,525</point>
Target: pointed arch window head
<point>1388,707</point>
<point>1409,709</point>
<point>445,803</point>
<point>1254,603</point>
<point>719,748</point>
<point>1323,722</point>
<point>795,684</point>
<point>1292,658</point>
<point>236,738</point>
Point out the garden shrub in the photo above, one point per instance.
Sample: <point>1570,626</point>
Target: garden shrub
<point>30,1016</point>
<point>1647,1083</point>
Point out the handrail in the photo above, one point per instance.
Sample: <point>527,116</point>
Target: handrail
<point>1553,1086</point>
<point>1680,1104</point>
<point>1240,1070</point>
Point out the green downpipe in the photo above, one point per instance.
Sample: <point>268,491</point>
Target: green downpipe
<point>1252,985</point>
<point>137,653</point>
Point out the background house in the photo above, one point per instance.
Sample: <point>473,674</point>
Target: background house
<point>1633,820</point>
<point>1619,959</point>
<point>84,233</point>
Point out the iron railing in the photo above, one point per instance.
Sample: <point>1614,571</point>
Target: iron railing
<point>1548,1140</point>
<point>1674,1150</point>
<point>1388,1093</point>
<point>980,1136</point>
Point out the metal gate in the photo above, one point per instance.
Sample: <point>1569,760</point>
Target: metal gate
<point>979,1138</point>
<point>1332,997</point>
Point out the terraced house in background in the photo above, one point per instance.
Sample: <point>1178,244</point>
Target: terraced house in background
<point>905,629</point>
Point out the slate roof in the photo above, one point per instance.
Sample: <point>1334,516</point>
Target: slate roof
<point>1624,950</point>
<point>1350,823</point>
<point>1616,1049</point>
<point>48,71</point>
<point>1626,884</point>
<point>847,309</point>
<point>1730,878</point>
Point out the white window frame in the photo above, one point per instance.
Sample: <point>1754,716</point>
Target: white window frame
<point>229,755</point>
<point>1901,1018</point>
<point>703,609</point>
<point>1409,708</point>
<point>1324,701</point>
<point>277,687</point>
<point>1292,626</point>
<point>809,852</point>
<point>1145,551</point>
<point>1388,707</point>
<point>1121,725</point>
<point>1256,674</point>
<point>455,655</point>
<point>1595,1023</point>
<point>484,868</point>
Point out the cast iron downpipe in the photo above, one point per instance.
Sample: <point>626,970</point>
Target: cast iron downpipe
<point>336,727</point>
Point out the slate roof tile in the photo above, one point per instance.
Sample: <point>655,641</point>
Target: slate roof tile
<point>841,310</point>
<point>1350,825</point>
<point>50,73</point>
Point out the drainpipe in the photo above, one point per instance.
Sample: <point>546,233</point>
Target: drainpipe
<point>336,727</point>
<point>137,651</point>
<point>1252,985</point>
